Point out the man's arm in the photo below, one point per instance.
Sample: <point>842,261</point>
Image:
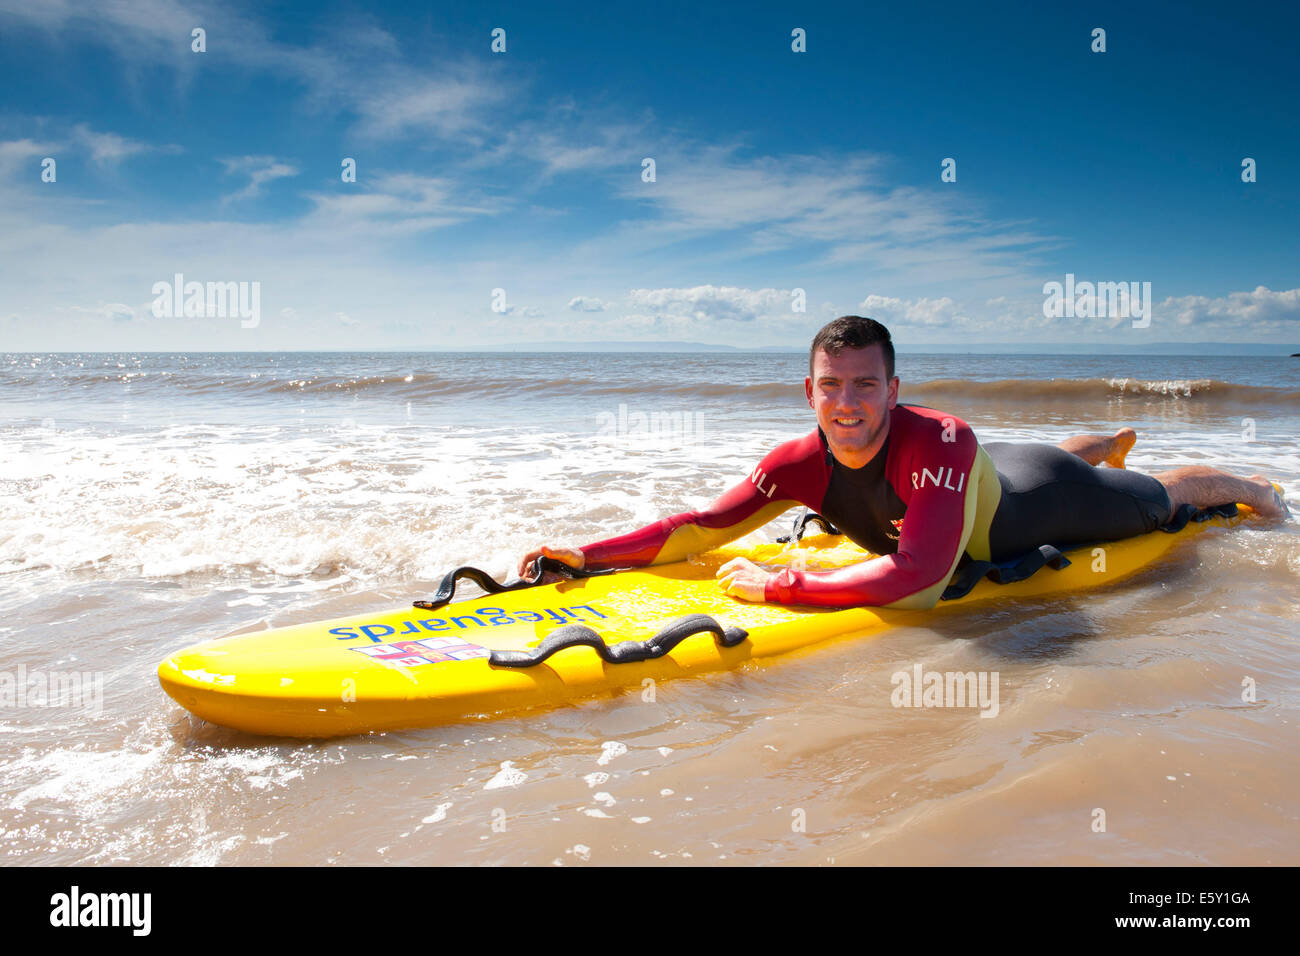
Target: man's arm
<point>938,523</point>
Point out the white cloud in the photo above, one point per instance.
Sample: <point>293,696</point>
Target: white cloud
<point>413,103</point>
<point>107,148</point>
<point>112,310</point>
<point>926,312</point>
<point>707,302</point>
<point>399,204</point>
<point>259,170</point>
<point>1261,311</point>
<point>14,154</point>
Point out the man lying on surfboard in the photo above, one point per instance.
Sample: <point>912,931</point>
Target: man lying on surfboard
<point>914,486</point>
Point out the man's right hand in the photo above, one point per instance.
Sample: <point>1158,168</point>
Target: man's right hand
<point>570,556</point>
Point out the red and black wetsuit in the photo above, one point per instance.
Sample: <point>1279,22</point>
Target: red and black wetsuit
<point>928,497</point>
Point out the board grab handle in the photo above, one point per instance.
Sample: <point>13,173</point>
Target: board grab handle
<point>447,586</point>
<point>624,652</point>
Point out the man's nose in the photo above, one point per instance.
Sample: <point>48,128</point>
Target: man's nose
<point>847,399</point>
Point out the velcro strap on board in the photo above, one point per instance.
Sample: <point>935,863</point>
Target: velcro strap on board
<point>1187,513</point>
<point>1004,572</point>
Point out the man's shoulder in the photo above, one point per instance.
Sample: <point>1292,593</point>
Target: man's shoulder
<point>925,432</point>
<point>928,423</point>
<point>807,449</point>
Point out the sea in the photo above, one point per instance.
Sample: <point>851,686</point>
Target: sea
<point>149,501</point>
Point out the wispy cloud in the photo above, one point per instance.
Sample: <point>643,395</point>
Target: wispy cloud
<point>259,170</point>
<point>831,212</point>
<point>356,68</point>
<point>109,148</point>
<point>14,153</point>
<point>401,204</point>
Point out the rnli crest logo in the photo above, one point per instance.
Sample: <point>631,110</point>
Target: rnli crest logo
<point>898,529</point>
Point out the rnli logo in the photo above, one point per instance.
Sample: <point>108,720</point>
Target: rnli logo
<point>898,529</point>
<point>757,476</point>
<point>943,478</point>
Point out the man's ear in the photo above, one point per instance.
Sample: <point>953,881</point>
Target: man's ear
<point>893,392</point>
<point>807,390</point>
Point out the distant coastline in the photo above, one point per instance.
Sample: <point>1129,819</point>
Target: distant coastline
<point>993,348</point>
<point>1219,349</point>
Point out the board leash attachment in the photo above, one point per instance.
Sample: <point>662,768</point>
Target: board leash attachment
<point>624,652</point>
<point>447,587</point>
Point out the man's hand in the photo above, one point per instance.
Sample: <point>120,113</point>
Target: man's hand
<point>742,578</point>
<point>570,556</point>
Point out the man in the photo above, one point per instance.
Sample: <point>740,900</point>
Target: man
<point>913,486</point>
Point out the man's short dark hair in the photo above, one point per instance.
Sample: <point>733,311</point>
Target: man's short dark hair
<point>852,332</point>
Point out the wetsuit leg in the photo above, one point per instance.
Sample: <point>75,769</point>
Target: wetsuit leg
<point>1050,496</point>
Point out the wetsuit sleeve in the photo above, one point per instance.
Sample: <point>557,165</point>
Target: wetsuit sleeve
<point>938,522</point>
<point>774,486</point>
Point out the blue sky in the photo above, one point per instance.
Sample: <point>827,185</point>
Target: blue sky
<point>522,171</point>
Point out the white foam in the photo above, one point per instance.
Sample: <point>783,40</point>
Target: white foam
<point>85,779</point>
<point>609,750</point>
<point>350,503</point>
<point>438,815</point>
<point>507,776</point>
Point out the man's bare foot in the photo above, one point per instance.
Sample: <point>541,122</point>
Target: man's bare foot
<point>1096,449</point>
<point>1270,505</point>
<point>1120,446</point>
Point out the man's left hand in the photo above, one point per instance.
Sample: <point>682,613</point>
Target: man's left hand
<point>742,578</point>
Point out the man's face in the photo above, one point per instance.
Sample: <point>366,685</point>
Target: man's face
<point>852,398</point>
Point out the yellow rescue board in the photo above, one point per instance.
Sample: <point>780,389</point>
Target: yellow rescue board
<point>368,673</point>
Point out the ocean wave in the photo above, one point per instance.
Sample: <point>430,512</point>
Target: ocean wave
<point>1039,391</point>
<point>413,384</point>
<point>410,386</point>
